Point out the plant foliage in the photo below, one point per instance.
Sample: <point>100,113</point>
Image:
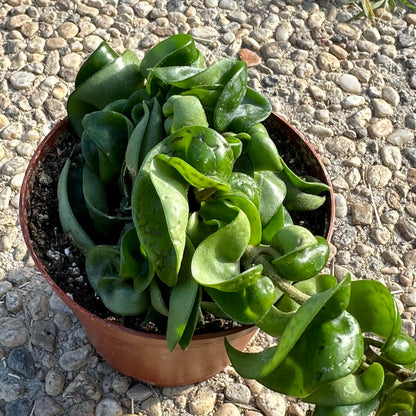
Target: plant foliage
<point>180,201</point>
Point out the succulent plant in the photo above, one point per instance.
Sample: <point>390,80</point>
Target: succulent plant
<point>180,202</point>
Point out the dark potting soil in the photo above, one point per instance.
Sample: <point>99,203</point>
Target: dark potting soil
<point>65,264</point>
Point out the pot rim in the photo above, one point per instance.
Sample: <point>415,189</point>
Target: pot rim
<point>27,186</point>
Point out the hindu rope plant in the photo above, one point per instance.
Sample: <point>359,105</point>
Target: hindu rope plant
<point>180,202</point>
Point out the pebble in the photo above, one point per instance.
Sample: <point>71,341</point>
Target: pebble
<point>382,108</point>
<point>349,83</point>
<point>152,406</point>
<point>43,334</point>
<point>22,80</point>
<point>75,359</point>
<point>83,387</point>
<point>409,258</point>
<point>328,62</point>
<point>108,407</point>
<point>380,235</point>
<point>227,409</point>
<point>237,393</point>
<point>378,176</point>
<point>19,407</point>
<point>271,404</point>
<point>38,306</point>
<point>121,384</point>
<point>139,392</point>
<point>13,332</point>
<point>85,408</point>
<point>341,208</point>
<point>409,298</point>
<point>392,257</point>
<point>400,137</point>
<point>407,229</point>
<point>352,101</point>
<point>380,128</point>
<point>54,382</point>
<point>362,214</point>
<point>284,31</point>
<point>47,406</point>
<point>21,361</point>
<point>391,157</point>
<point>203,402</point>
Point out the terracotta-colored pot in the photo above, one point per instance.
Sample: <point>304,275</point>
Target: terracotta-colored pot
<point>142,355</point>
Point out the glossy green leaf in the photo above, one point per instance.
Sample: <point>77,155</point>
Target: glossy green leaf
<point>176,50</point>
<point>182,302</point>
<point>302,254</point>
<point>133,262</point>
<point>254,109</point>
<point>398,401</point>
<point>147,133</point>
<point>197,230</point>
<point>350,390</point>
<point>69,222</point>
<point>96,200</point>
<point>247,185</point>
<point>402,351</point>
<point>156,298</point>
<point>262,151</point>
<point>334,349</point>
<point>191,175</point>
<point>259,365</point>
<point>160,214</point>
<point>374,307</point>
<point>281,219</point>
<point>102,264</point>
<point>230,97</point>
<point>362,409</point>
<point>101,57</point>
<point>311,187</point>
<point>183,111</point>
<point>248,305</point>
<point>272,194</point>
<point>275,321</point>
<point>216,262</point>
<point>114,81</point>
<point>104,143</point>
<point>192,322</point>
<point>208,95</point>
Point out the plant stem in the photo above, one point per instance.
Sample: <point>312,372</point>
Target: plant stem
<point>400,372</point>
<point>255,256</point>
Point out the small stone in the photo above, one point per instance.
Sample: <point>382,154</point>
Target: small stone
<point>401,137</point>
<point>21,80</point>
<point>43,334</point>
<point>349,83</point>
<point>407,229</point>
<point>17,21</point>
<point>341,208</point>
<point>249,57</point>
<point>71,61</point>
<point>338,51</point>
<point>321,131</point>
<point>391,96</point>
<point>362,214</point>
<point>108,407</point>
<point>391,157</point>
<point>83,387</point>
<point>281,66</point>
<point>19,407</point>
<point>47,406</point>
<point>68,30</point>
<point>55,43</point>
<point>341,146</point>
<point>5,286</point>
<point>382,108</point>
<point>378,176</point>
<point>380,128</point>
<point>203,402</point>
<point>380,235</point>
<point>318,93</point>
<point>284,31</point>
<point>392,257</point>
<point>353,101</point>
<point>390,217</point>
<point>54,382</point>
<point>85,10</point>
<point>323,115</point>
<point>227,409</point>
<point>152,406</point>
<point>85,408</point>
<point>328,62</point>
<point>139,392</point>
<point>13,332</point>
<point>21,361</point>
<point>237,393</point>
<point>271,404</point>
<point>121,384</point>
<point>349,31</point>
<point>204,32</point>
<point>38,306</point>
<point>362,74</point>
<point>13,301</point>
<point>75,359</point>
<point>409,299</point>
<point>364,250</point>
<point>409,258</point>
<point>409,153</point>
<point>410,18</point>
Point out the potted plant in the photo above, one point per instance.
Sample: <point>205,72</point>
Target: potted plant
<point>182,209</point>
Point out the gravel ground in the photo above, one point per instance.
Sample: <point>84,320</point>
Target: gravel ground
<point>350,87</point>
